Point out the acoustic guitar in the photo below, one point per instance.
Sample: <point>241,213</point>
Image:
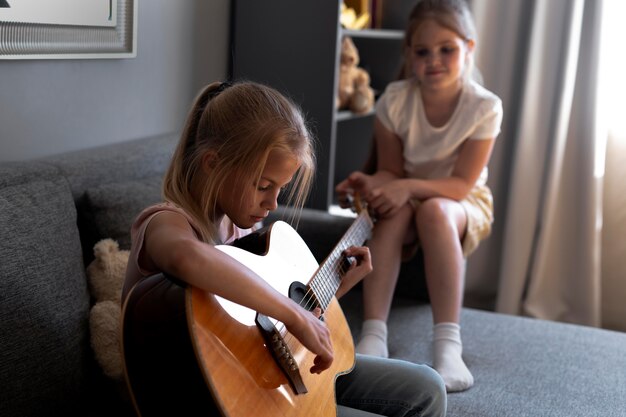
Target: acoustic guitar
<point>189,352</point>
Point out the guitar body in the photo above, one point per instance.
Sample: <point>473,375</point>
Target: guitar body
<point>218,360</point>
<point>160,366</point>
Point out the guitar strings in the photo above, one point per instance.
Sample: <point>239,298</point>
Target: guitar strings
<point>333,269</point>
<point>317,286</point>
<point>356,233</point>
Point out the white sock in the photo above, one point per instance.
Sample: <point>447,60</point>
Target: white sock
<point>373,340</point>
<point>447,348</point>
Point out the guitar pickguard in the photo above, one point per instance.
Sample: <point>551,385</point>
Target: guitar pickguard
<point>288,259</point>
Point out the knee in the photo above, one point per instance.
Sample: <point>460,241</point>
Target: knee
<point>436,391</point>
<point>396,225</point>
<point>431,214</point>
<point>429,398</point>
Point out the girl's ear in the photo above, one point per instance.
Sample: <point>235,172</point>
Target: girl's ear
<point>209,159</point>
<point>470,44</point>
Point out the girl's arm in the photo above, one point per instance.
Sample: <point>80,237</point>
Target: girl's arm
<point>390,166</point>
<point>389,151</point>
<point>472,159</point>
<point>172,247</point>
<point>387,199</point>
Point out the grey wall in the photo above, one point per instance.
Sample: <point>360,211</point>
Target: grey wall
<point>53,106</point>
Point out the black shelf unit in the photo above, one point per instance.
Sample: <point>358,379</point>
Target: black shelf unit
<point>295,48</point>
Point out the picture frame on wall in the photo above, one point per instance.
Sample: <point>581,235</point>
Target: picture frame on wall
<point>68,29</point>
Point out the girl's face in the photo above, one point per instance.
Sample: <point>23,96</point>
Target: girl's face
<point>438,56</point>
<point>247,203</point>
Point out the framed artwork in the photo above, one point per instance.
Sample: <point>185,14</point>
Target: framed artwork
<point>68,29</point>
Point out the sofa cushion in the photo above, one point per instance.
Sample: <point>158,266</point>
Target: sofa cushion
<point>521,366</point>
<point>115,163</point>
<point>112,208</point>
<point>110,164</point>
<point>44,302</point>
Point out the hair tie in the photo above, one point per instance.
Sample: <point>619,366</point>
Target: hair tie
<point>201,107</point>
<point>223,86</point>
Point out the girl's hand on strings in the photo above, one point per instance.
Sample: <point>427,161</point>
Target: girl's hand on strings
<point>360,264</point>
<point>314,335</point>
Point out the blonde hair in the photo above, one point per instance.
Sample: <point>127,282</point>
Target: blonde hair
<point>239,124</point>
<point>453,15</point>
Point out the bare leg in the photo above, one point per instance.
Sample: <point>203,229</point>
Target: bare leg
<point>386,248</point>
<point>440,226</point>
<point>378,287</point>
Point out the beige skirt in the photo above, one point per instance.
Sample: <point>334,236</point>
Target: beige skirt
<point>478,206</point>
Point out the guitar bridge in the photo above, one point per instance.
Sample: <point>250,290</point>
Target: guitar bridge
<point>281,353</point>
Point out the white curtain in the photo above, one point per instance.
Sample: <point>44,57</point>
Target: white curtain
<point>543,259</point>
<point>611,114</point>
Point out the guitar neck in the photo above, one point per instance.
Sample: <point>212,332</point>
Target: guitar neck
<point>325,282</point>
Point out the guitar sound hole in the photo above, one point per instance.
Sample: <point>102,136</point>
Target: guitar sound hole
<point>302,295</point>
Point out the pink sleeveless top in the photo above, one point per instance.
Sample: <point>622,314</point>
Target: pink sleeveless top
<point>228,232</point>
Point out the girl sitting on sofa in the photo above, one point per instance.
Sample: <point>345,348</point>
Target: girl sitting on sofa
<point>434,132</point>
<point>242,145</point>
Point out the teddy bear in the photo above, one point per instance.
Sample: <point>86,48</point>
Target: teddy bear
<point>354,91</point>
<point>105,276</point>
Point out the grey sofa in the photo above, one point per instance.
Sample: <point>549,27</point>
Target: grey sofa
<point>53,210</point>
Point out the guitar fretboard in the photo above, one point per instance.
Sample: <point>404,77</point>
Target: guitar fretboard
<point>325,282</point>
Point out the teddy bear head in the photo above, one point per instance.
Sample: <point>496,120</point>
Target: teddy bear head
<point>105,275</point>
<point>106,272</point>
<point>349,53</point>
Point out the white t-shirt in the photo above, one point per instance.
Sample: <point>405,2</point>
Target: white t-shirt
<point>431,152</point>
